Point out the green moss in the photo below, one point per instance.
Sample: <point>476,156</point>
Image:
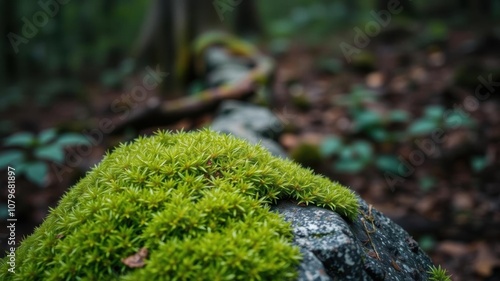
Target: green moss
<point>198,202</point>
<point>438,274</point>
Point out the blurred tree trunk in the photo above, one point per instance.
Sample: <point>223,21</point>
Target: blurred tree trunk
<point>171,26</point>
<point>168,31</point>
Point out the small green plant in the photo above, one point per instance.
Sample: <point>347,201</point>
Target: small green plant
<point>185,206</point>
<point>29,154</point>
<point>426,183</point>
<point>356,156</point>
<point>375,125</point>
<point>479,163</point>
<point>349,157</point>
<point>437,273</point>
<point>437,117</point>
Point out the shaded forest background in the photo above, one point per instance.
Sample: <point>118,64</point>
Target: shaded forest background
<point>407,114</point>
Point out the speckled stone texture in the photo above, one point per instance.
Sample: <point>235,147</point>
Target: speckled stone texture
<point>371,248</point>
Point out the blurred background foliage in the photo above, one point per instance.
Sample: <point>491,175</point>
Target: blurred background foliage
<point>77,43</point>
<point>85,39</point>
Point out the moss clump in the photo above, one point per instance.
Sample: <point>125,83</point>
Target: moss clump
<point>438,274</point>
<point>198,202</point>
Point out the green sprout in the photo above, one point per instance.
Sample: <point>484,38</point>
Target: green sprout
<point>29,154</point>
<point>185,206</point>
<point>438,274</point>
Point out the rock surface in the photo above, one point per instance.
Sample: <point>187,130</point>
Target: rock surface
<point>371,248</point>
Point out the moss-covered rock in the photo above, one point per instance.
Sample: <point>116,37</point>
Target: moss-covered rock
<point>189,206</point>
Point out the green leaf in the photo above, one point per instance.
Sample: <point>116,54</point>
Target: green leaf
<point>355,99</point>
<point>24,139</point>
<point>51,152</point>
<point>11,157</point>
<point>378,134</point>
<point>127,66</point>
<point>400,116</point>
<point>422,127</point>
<point>36,172</point>
<point>479,163</point>
<point>71,139</point>
<point>426,183</point>
<point>349,165</point>
<point>346,153</point>
<point>427,242</point>
<point>389,163</point>
<point>458,119</point>
<point>47,135</point>
<point>363,150</point>
<point>330,146</point>
<point>367,119</point>
<point>435,112</point>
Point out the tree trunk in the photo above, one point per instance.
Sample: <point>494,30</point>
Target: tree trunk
<point>168,31</point>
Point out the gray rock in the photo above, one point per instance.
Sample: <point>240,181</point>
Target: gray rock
<point>370,248</point>
<point>254,123</point>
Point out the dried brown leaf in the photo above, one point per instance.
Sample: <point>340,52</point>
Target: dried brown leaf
<point>136,260</point>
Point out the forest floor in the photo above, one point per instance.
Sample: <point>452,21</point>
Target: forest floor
<point>445,190</point>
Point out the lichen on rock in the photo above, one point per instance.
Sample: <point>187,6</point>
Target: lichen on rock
<point>195,205</point>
